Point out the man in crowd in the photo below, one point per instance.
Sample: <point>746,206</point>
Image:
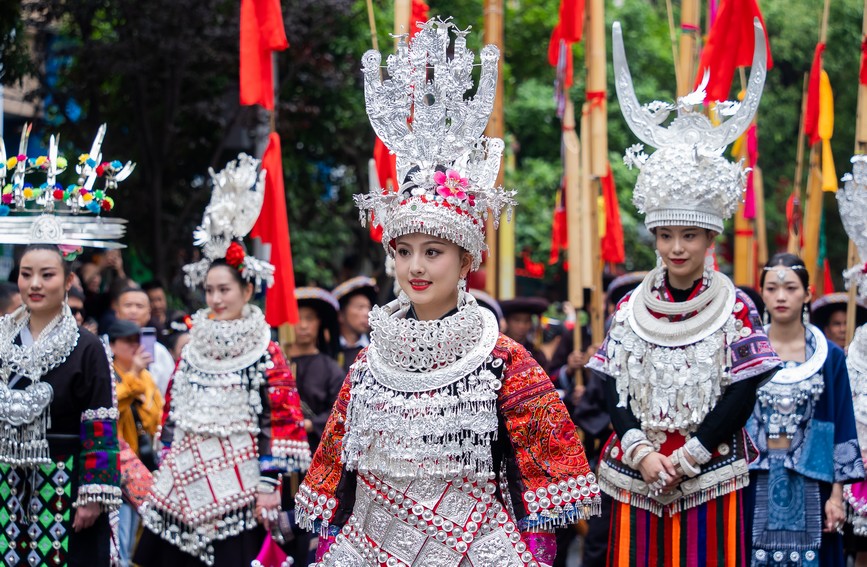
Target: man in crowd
<point>132,304</point>
<point>356,297</point>
<point>10,298</point>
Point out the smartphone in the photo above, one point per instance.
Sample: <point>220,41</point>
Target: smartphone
<point>148,339</point>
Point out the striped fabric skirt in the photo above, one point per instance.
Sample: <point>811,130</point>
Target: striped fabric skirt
<point>709,534</point>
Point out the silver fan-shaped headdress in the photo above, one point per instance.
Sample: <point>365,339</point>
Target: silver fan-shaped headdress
<point>48,212</point>
<point>236,201</point>
<point>852,203</point>
<point>447,167</point>
<point>687,181</point>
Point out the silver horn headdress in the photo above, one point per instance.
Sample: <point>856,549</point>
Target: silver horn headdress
<point>687,181</point>
<point>447,167</point>
<point>852,202</point>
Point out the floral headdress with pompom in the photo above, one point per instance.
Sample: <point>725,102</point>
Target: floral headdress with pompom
<point>236,201</point>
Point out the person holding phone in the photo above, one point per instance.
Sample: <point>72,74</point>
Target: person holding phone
<point>133,304</point>
<point>140,406</point>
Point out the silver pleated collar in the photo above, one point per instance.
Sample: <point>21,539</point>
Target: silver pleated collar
<point>54,344</point>
<point>219,347</point>
<point>408,355</point>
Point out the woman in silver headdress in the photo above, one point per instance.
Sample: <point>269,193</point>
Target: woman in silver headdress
<point>448,444</point>
<point>685,351</point>
<point>59,471</point>
<point>852,201</point>
<point>804,429</point>
<point>234,422</point>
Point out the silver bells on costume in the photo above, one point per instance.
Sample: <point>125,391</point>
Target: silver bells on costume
<point>687,181</point>
<point>852,202</point>
<point>447,167</point>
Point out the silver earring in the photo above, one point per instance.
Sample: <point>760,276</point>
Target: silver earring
<point>403,299</point>
<point>462,291</point>
<point>766,318</point>
<point>805,315</point>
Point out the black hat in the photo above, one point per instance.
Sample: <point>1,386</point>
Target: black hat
<point>353,286</point>
<point>488,302</point>
<point>531,305</point>
<point>822,309</point>
<point>122,328</point>
<point>621,285</point>
<point>326,308</point>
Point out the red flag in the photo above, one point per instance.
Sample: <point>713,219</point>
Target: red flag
<point>862,77</point>
<point>828,286</point>
<point>272,227</point>
<point>571,20</point>
<point>557,46</point>
<point>811,115</point>
<point>730,44</point>
<point>262,33</point>
<point>559,227</point>
<point>418,13</point>
<point>612,247</point>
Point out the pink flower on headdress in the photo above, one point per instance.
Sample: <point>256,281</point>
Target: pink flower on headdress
<point>451,184</point>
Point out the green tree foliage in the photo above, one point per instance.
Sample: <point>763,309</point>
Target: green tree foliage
<point>163,73</point>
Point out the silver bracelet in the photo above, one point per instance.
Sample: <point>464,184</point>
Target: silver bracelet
<point>632,437</point>
<point>697,451</point>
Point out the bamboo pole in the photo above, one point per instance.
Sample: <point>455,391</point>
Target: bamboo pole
<point>506,245</point>
<point>572,169</point>
<point>588,205</point>
<point>815,196</point>
<point>689,30</point>
<point>813,215</point>
<point>672,35</point>
<point>744,258</point>
<point>795,231</point>
<point>371,22</point>
<point>591,264</point>
<point>594,129</point>
<point>493,14</point>
<point>860,148</point>
<point>402,13</point>
<point>760,223</point>
<point>597,68</point>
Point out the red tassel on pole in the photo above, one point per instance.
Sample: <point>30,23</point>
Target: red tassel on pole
<point>272,227</point>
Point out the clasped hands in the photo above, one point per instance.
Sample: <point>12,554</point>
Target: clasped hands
<point>663,473</point>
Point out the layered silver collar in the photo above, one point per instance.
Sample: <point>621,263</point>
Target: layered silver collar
<point>227,346</point>
<point>48,351</point>
<point>713,308</point>
<point>408,355</point>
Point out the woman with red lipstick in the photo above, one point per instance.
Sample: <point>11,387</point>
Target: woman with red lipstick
<point>59,453</point>
<point>803,426</point>
<point>448,444</point>
<point>685,352</point>
<point>233,424</point>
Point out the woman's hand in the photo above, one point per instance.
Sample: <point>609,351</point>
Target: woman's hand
<point>835,513</point>
<point>657,471</point>
<point>141,360</point>
<point>267,508</point>
<point>85,516</point>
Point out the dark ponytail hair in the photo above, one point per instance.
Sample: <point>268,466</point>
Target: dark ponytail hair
<point>787,260</point>
<point>67,268</point>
